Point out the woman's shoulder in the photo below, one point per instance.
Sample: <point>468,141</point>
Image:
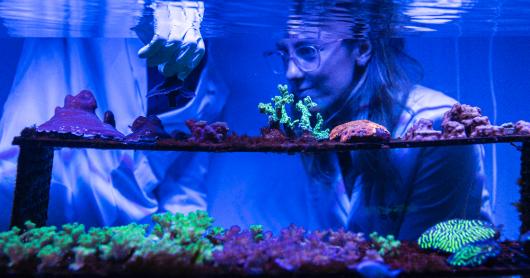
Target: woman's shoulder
<point>424,103</point>
<point>423,98</point>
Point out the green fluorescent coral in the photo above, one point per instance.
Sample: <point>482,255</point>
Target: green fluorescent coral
<point>475,254</point>
<point>305,122</point>
<point>451,235</point>
<point>278,113</point>
<point>385,245</point>
<point>173,234</point>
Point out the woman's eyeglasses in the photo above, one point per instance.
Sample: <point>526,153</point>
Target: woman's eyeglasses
<point>306,57</point>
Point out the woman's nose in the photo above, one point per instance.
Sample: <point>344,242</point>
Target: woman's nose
<point>293,71</point>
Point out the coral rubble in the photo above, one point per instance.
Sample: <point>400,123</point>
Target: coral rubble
<point>201,131</point>
<point>422,131</point>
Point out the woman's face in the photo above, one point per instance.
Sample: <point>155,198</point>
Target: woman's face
<point>330,82</point>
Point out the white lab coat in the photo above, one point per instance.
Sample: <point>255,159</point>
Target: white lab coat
<point>428,185</point>
<point>102,187</point>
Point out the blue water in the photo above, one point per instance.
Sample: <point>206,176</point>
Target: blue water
<point>474,51</point>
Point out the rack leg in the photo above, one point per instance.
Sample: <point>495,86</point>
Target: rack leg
<point>524,189</point>
<point>32,189</point>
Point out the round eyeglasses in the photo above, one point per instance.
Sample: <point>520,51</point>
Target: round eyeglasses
<point>306,57</point>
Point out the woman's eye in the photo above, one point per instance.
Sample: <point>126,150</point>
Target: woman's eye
<point>306,52</point>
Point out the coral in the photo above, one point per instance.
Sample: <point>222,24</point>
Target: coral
<point>304,107</point>
<point>487,130</point>
<point>277,111</point>
<point>469,116</point>
<point>522,128</point>
<point>475,254</point>
<point>46,248</point>
<point>78,117</point>
<point>422,131</point>
<point>147,129</point>
<point>201,131</point>
<point>453,129</point>
<point>385,245</point>
<point>293,250</point>
<point>509,128</point>
<point>449,236</point>
<point>360,129</point>
<point>272,134</point>
<point>109,119</point>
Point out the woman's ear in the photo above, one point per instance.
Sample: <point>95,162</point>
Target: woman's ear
<point>364,53</point>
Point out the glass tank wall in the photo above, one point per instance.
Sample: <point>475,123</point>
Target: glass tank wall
<point>475,52</point>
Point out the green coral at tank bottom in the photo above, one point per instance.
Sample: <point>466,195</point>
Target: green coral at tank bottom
<point>385,245</point>
<point>475,254</point>
<point>173,234</point>
<point>278,114</point>
<point>449,236</point>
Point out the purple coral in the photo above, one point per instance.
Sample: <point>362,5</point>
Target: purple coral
<point>78,117</point>
<point>202,132</point>
<point>473,123</point>
<point>294,250</point>
<point>147,129</point>
<point>522,128</point>
<point>422,131</point>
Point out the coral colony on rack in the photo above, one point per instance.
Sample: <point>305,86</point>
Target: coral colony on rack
<point>177,243</point>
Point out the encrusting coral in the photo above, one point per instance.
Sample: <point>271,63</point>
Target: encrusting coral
<point>358,130</point>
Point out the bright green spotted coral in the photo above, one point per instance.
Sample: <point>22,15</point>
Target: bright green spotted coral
<point>449,236</point>
<point>475,254</point>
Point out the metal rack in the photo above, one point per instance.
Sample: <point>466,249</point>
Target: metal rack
<point>36,159</point>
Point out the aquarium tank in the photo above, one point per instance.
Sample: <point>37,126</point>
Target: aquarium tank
<point>374,137</point>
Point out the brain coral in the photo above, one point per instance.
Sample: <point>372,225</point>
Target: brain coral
<point>475,254</point>
<point>449,236</point>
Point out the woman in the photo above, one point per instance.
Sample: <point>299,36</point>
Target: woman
<point>358,70</point>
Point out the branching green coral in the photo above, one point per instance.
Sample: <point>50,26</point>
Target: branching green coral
<point>385,245</point>
<point>304,107</point>
<point>475,254</point>
<point>278,114</point>
<point>123,241</point>
<point>277,111</point>
<point>174,236</point>
<point>451,235</point>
